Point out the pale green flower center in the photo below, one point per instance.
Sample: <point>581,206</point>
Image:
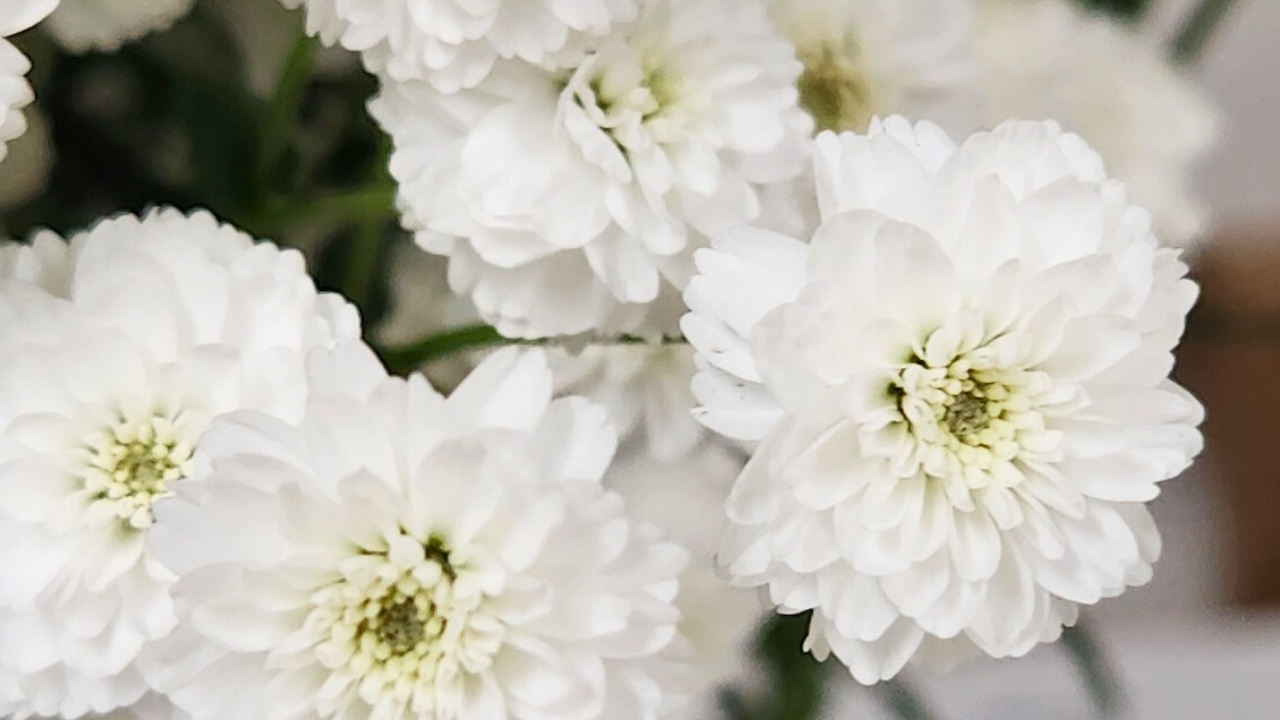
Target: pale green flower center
<point>131,464</point>
<point>835,90</point>
<point>405,626</point>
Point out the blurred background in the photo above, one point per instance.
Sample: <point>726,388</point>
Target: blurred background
<point>211,113</point>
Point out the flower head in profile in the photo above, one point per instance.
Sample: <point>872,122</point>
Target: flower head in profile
<point>864,58</point>
<point>15,92</point>
<point>644,387</point>
<point>1117,89</point>
<point>395,554</point>
<point>454,43</point>
<point>82,26</point>
<point>118,347</point>
<point>959,389</point>
<point>570,201</point>
<point>685,497</point>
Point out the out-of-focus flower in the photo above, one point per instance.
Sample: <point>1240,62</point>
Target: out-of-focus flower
<point>105,25</point>
<point>455,43</point>
<point>152,706</point>
<point>397,554</point>
<point>960,390</point>
<point>645,388</point>
<point>686,499</point>
<point>15,92</point>
<point>864,58</point>
<point>570,201</point>
<point>117,349</point>
<point>1116,88</point>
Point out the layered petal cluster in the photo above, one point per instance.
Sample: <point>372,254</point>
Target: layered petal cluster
<point>455,43</point>
<point>118,347</point>
<point>959,389</point>
<point>571,201</point>
<point>395,554</point>
<point>15,92</point>
<point>867,58</point>
<point>105,25</point>
<point>1116,88</point>
<point>644,387</point>
<point>685,497</point>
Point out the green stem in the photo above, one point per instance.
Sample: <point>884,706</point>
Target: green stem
<point>280,113</point>
<point>902,700</point>
<point>1095,671</point>
<point>362,263</point>
<point>363,205</point>
<point>1198,29</point>
<point>441,345</point>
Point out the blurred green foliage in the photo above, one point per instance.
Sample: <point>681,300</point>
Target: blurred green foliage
<point>1126,9</point>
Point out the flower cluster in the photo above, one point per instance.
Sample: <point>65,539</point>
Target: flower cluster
<point>916,388</point>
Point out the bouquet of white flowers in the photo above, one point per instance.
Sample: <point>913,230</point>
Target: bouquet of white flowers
<point>756,330</point>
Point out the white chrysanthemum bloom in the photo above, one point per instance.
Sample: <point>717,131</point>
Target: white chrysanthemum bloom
<point>105,25</point>
<point>1117,89</point>
<point>864,58</point>
<point>117,349</point>
<point>645,388</point>
<point>960,390</point>
<point>396,554</point>
<point>570,201</point>
<point>455,43</point>
<point>686,499</point>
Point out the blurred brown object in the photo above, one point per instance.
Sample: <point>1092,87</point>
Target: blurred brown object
<point>1231,360</point>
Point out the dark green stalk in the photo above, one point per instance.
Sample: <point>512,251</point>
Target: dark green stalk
<point>1095,671</point>
<point>279,116</point>
<point>1198,29</point>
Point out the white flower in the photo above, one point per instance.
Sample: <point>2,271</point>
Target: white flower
<point>645,388</point>
<point>1116,88</point>
<point>105,25</point>
<point>686,499</point>
<point>398,555</point>
<point>569,202</point>
<point>454,43</point>
<point>152,706</point>
<point>960,389</point>
<point>116,349</point>
<point>22,14</point>
<point>864,58</point>
<point>15,94</point>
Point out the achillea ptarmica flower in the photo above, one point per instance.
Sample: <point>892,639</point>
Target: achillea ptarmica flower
<point>867,58</point>
<point>959,389</point>
<point>570,201</point>
<point>118,347</point>
<point>685,497</point>
<point>106,25</point>
<point>1150,122</point>
<point>398,555</point>
<point>644,387</point>
<point>455,43</point>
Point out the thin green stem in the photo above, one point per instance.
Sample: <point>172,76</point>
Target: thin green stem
<point>362,263</point>
<point>359,206</point>
<point>281,112</point>
<point>902,700</point>
<point>1199,28</point>
<point>1095,671</point>
<point>438,346</point>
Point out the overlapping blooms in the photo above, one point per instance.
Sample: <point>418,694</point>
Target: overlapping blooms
<point>685,497</point>
<point>119,346</point>
<point>105,25</point>
<point>570,201</point>
<point>864,58</point>
<point>1116,88</point>
<point>454,43</point>
<point>396,554</point>
<point>959,389</point>
<point>644,387</point>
